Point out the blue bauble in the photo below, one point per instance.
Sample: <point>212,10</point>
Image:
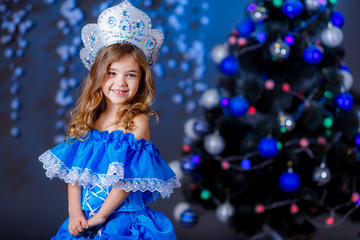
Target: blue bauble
<point>337,19</point>
<point>187,165</point>
<point>245,28</point>
<point>289,181</point>
<point>313,55</point>
<point>238,106</point>
<point>267,147</point>
<point>188,218</point>
<point>292,8</point>
<point>344,101</point>
<point>246,164</point>
<point>230,65</point>
<point>357,140</point>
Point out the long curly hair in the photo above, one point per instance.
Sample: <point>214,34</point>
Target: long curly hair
<point>90,103</point>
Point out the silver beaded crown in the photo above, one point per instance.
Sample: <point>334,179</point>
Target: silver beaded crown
<point>122,23</point>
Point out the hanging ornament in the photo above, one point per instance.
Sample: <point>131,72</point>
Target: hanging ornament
<point>287,122</point>
<point>189,129</point>
<point>337,19</point>
<point>347,78</point>
<point>277,3</point>
<point>219,52</point>
<point>176,167</point>
<point>210,99</point>
<point>267,147</point>
<point>294,209</point>
<point>313,54</point>
<point>245,27</point>
<point>259,14</point>
<point>357,140</point>
<point>279,50</point>
<point>269,84</point>
<point>214,143</point>
<point>344,101</point>
<point>201,126</point>
<point>289,181</point>
<point>184,214</point>
<point>332,36</point>
<point>238,106</point>
<point>355,196</point>
<point>205,194</point>
<point>225,165</point>
<point>179,209</point>
<point>229,65</point>
<point>246,164</point>
<point>225,211</point>
<point>188,218</point>
<point>312,5</point>
<point>330,221</point>
<point>292,8</point>
<point>261,37</point>
<point>289,39</point>
<point>259,208</point>
<point>195,159</point>
<point>321,175</point>
<point>187,165</point>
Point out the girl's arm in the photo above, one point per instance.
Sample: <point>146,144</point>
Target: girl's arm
<point>112,202</point>
<point>77,220</point>
<point>116,197</point>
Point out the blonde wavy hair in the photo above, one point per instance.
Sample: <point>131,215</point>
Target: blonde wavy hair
<point>89,104</point>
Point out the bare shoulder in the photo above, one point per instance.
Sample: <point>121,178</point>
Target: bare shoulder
<point>141,129</point>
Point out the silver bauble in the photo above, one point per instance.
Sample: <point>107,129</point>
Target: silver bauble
<point>210,99</point>
<point>332,36</point>
<point>219,52</point>
<point>189,129</point>
<point>214,144</point>
<point>224,212</point>
<point>279,50</point>
<point>259,14</point>
<point>179,209</point>
<point>312,5</point>
<point>321,175</point>
<point>347,79</point>
<point>176,167</point>
<point>287,121</point>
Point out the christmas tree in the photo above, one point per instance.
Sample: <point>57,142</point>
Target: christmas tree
<point>278,141</point>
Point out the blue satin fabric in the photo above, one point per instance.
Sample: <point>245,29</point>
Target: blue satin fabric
<point>144,224</point>
<point>105,160</point>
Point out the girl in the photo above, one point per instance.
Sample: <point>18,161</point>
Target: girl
<point>112,169</point>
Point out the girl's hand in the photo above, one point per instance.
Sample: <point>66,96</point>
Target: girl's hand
<point>77,223</point>
<point>96,220</point>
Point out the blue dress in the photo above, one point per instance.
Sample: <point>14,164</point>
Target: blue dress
<point>105,160</point>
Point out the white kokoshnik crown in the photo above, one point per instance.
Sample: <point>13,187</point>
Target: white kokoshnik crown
<point>122,23</point>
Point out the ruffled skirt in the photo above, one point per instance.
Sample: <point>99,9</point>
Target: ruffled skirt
<point>144,224</point>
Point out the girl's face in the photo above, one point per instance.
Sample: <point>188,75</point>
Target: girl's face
<point>122,81</point>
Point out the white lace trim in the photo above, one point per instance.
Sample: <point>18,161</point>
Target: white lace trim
<point>55,168</point>
<point>114,176</point>
<point>165,188</point>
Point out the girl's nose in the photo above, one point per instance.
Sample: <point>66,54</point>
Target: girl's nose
<point>120,80</point>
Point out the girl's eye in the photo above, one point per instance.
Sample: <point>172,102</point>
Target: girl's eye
<point>111,73</point>
<point>131,75</point>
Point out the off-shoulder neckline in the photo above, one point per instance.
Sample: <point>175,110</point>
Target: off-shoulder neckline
<point>121,132</point>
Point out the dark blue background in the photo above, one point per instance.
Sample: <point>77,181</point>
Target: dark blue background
<point>33,207</point>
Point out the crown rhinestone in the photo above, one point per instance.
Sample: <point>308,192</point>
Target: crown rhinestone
<point>122,23</point>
